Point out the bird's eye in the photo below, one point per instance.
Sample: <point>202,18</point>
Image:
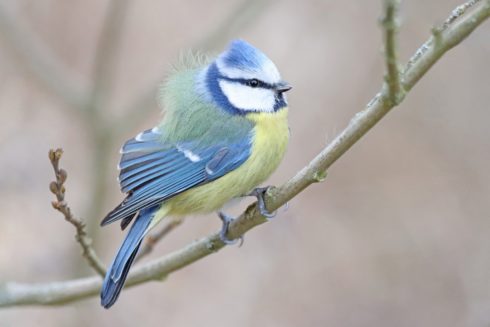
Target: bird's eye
<point>253,83</point>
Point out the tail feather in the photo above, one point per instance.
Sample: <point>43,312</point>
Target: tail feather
<point>118,271</point>
<point>111,289</point>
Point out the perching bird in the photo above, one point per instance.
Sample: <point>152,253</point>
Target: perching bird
<point>224,132</point>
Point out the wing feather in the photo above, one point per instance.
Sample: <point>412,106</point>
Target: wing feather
<point>152,171</point>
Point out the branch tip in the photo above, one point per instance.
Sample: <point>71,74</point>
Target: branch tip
<point>58,189</point>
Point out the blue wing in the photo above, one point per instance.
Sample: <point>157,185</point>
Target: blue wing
<point>152,171</point>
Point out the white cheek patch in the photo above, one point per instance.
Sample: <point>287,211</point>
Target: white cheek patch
<point>247,98</point>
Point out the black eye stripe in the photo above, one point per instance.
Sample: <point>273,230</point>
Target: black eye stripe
<point>255,83</point>
<point>247,82</point>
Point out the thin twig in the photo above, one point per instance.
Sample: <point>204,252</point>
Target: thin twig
<point>390,28</point>
<point>12,294</point>
<point>438,30</point>
<point>456,13</point>
<point>58,189</point>
<point>442,41</point>
<point>153,239</point>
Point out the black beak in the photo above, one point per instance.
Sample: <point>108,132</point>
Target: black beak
<point>283,87</point>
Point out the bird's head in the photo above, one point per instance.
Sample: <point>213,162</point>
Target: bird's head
<point>242,79</point>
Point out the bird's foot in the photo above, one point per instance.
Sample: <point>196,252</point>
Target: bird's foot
<point>259,194</point>
<point>226,219</point>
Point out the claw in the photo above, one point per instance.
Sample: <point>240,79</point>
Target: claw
<point>224,230</point>
<point>259,194</point>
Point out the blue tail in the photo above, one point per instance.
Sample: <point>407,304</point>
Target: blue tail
<point>118,270</point>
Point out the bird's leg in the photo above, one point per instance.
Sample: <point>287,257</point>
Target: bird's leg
<point>226,219</point>
<point>259,194</point>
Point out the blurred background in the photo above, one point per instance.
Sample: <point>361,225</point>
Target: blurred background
<point>398,234</point>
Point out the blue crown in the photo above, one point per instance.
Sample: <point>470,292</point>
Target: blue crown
<point>243,55</point>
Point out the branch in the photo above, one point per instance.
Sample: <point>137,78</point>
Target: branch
<point>58,189</point>
<point>390,26</point>
<point>444,39</point>
<point>12,293</point>
<point>458,12</point>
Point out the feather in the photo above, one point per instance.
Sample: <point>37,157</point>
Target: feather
<point>118,270</point>
<point>157,171</point>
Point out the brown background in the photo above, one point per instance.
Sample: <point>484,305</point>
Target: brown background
<point>398,235</point>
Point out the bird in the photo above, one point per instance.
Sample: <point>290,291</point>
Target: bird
<point>224,132</point>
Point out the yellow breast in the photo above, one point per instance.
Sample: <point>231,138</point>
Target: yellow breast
<point>268,148</point>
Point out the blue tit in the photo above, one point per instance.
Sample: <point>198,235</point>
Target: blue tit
<point>224,132</point>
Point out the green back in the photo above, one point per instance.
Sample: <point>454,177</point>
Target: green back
<point>189,116</point>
